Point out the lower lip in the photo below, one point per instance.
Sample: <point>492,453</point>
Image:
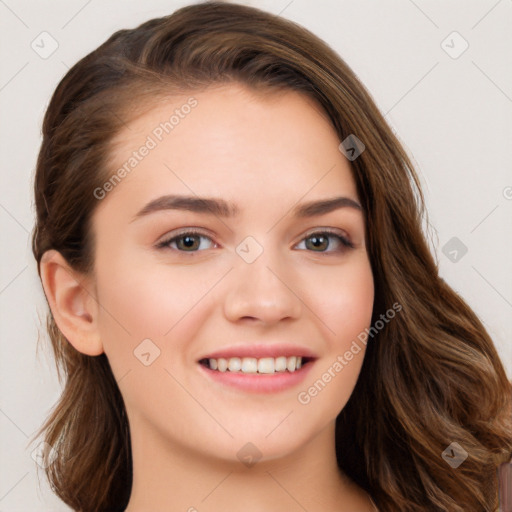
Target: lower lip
<point>257,382</point>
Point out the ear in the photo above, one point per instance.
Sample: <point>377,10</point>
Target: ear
<point>71,297</point>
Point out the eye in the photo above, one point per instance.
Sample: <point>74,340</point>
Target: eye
<point>190,241</point>
<point>320,240</point>
<point>187,241</point>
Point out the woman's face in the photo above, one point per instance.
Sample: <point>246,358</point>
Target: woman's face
<point>264,281</point>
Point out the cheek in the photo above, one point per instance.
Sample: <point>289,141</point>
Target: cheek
<point>345,307</point>
<point>148,315</point>
<point>343,300</point>
<point>150,301</point>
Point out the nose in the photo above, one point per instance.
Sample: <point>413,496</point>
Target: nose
<point>262,290</point>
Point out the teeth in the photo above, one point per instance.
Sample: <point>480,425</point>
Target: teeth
<point>253,365</point>
<point>266,365</point>
<point>234,364</point>
<point>280,365</point>
<point>291,363</point>
<point>249,365</point>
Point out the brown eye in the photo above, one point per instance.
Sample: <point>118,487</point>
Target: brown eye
<point>188,241</point>
<point>320,242</point>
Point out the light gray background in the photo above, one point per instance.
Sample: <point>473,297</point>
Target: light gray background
<point>452,114</point>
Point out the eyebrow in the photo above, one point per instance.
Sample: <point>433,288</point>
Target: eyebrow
<point>222,208</point>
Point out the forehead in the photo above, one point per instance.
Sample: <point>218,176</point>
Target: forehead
<point>219,110</point>
<point>231,140</point>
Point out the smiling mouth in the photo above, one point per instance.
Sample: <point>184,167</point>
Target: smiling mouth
<point>253,365</point>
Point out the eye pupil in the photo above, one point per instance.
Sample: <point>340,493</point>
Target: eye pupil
<point>318,241</point>
<point>188,241</point>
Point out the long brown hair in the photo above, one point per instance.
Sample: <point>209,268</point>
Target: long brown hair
<point>430,377</point>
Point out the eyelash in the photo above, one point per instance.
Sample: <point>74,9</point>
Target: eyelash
<point>345,242</point>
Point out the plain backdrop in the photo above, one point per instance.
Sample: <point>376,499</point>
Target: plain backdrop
<point>447,96</point>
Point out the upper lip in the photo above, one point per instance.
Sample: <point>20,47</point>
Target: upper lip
<point>260,350</point>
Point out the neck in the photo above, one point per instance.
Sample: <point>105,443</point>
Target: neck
<point>176,479</point>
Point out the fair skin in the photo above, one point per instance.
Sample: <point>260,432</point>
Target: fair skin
<point>267,154</point>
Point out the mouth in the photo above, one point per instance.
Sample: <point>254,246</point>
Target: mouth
<point>253,365</point>
<point>257,367</point>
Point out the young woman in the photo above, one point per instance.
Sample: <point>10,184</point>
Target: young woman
<point>243,303</point>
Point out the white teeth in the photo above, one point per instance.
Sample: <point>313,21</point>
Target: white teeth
<point>234,364</point>
<point>290,364</point>
<point>249,365</point>
<point>254,365</point>
<point>222,365</point>
<point>280,365</point>
<point>266,365</point>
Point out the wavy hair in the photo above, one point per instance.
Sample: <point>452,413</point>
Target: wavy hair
<point>430,377</point>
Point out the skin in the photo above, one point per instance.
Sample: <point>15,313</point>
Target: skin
<point>272,149</point>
